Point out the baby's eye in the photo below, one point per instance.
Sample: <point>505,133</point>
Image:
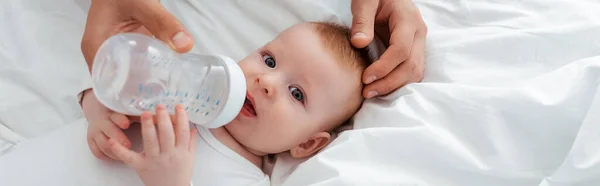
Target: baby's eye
<point>269,61</point>
<point>297,94</point>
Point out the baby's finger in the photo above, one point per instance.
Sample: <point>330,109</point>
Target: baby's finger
<point>166,135</point>
<point>174,119</point>
<point>182,127</point>
<point>149,135</point>
<point>96,151</point>
<point>120,119</point>
<point>102,142</point>
<point>134,119</point>
<point>192,143</point>
<point>123,154</point>
<point>112,131</point>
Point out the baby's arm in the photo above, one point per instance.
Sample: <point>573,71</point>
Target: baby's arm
<point>168,156</point>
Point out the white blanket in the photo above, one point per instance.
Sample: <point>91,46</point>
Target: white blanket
<point>510,96</point>
<point>41,67</point>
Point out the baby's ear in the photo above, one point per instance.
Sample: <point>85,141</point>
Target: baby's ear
<point>316,143</point>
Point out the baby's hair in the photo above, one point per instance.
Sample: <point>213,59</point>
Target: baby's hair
<point>336,38</point>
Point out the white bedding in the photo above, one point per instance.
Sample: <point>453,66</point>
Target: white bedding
<point>511,94</point>
<point>41,67</point>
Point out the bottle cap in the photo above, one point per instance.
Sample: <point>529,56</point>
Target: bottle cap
<point>234,98</point>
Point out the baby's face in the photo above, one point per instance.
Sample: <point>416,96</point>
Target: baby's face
<point>296,87</point>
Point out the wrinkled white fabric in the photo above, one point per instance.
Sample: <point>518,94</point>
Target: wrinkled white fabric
<point>217,164</point>
<point>511,96</point>
<point>41,67</point>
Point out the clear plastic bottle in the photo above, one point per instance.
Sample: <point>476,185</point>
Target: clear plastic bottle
<point>133,73</point>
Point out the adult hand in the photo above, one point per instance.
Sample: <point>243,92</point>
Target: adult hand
<point>105,19</point>
<point>109,17</point>
<point>403,61</point>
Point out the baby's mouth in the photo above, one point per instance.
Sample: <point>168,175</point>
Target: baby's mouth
<point>249,106</point>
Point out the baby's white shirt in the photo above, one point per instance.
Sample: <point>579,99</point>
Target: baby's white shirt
<point>217,164</point>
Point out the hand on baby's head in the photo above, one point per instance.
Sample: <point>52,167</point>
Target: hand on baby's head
<point>301,85</point>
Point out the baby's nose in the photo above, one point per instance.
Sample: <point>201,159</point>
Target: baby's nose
<point>267,84</point>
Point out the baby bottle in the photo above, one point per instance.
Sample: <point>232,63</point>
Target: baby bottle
<point>132,73</point>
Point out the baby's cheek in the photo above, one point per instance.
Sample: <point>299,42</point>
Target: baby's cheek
<point>275,135</point>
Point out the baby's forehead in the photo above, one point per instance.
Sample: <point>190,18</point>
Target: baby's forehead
<point>336,39</point>
<point>322,50</point>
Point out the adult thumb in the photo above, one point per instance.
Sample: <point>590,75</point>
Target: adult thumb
<point>363,22</point>
<point>163,25</point>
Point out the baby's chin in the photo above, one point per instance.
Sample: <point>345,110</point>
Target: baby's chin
<point>243,134</point>
<point>238,120</point>
<point>238,129</point>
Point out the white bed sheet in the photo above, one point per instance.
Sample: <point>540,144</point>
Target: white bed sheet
<point>41,67</point>
<point>510,95</point>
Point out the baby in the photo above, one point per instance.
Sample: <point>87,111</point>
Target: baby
<point>300,86</point>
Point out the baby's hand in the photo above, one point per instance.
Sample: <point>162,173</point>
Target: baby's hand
<point>168,156</point>
<point>103,124</point>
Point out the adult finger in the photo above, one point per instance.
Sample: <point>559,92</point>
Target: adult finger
<point>401,41</point>
<point>100,19</point>
<point>182,127</point>
<point>95,150</point>
<point>163,25</point>
<point>363,21</point>
<point>149,135</point>
<point>121,153</point>
<point>392,81</point>
<point>166,135</point>
<point>409,71</point>
<point>120,119</point>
